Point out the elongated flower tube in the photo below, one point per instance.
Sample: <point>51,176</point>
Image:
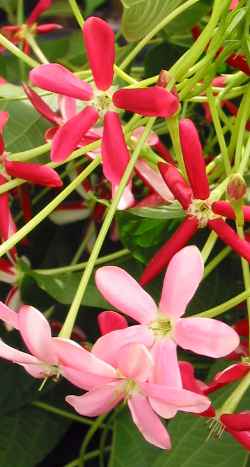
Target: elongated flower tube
<point>162,327</point>
<point>100,47</point>
<point>146,401</point>
<point>195,199</point>
<point>227,376</point>
<point>16,33</point>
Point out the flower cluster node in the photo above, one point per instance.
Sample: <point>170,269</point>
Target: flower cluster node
<point>161,326</point>
<point>102,101</point>
<point>201,209</point>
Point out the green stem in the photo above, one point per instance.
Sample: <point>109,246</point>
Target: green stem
<point>173,128</point>
<point>73,311</point>
<point>245,272</point>
<point>220,309</point>
<point>96,425</point>
<point>240,128</point>
<point>17,52</point>
<point>36,49</point>
<point>83,245</point>
<point>31,153</point>
<point>206,250</point>
<point>155,30</point>
<point>245,158</point>
<point>62,413</point>
<point>218,130</point>
<point>77,12</point>
<point>27,228</point>
<point>88,456</point>
<point>216,260</point>
<point>235,397</point>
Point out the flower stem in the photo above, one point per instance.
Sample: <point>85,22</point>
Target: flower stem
<point>245,273</point>
<point>95,426</point>
<point>155,30</point>
<point>206,250</point>
<point>62,413</point>
<point>242,118</point>
<point>30,154</point>
<point>36,49</point>
<point>235,397</point>
<point>17,52</point>
<point>216,260</point>
<point>173,128</point>
<point>73,311</point>
<point>79,266</point>
<point>223,307</point>
<point>27,228</point>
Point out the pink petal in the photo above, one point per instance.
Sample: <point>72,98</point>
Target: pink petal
<point>134,361</point>
<point>16,356</point>
<point>108,346</point>
<point>77,362</point>
<point>115,155</point>
<point>56,78</point>
<point>40,105</point>
<point>69,135</point>
<point>109,321</point>
<point>49,27</point>
<point>9,316</point>
<point>179,399</point>
<point>181,281</point>
<point>124,293</point>
<point>70,212</point>
<point>36,333</point>
<point>151,140</point>
<point>7,271</point>
<point>41,6</point>
<point>99,41</point>
<point>127,200</point>
<point>151,102</point>
<point>154,178</point>
<point>148,423</point>
<point>67,107</point>
<point>98,401</point>
<point>4,117</point>
<point>35,173</point>
<point>166,369</point>
<point>234,4</point>
<point>14,300</point>
<point>206,336</point>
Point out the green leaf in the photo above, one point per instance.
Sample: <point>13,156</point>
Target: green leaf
<point>162,57</point>
<point>140,17</point>
<point>171,211</point>
<point>92,5</point>
<point>28,435</point>
<point>190,447</point>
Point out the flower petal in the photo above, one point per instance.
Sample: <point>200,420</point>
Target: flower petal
<point>206,336</point>
<point>148,423</point>
<point>166,368</point>
<point>99,41</point>
<point>123,292</point>
<point>9,316</point>
<point>135,362</point>
<point>35,173</point>
<point>154,178</point>
<point>176,183</point>
<point>183,276</point>
<point>179,239</point>
<point>69,135</point>
<point>227,376</point>
<point>16,356</point>
<point>108,346</point>
<point>98,401</point>
<point>115,155</point>
<point>152,102</point>
<point>56,78</point>
<point>36,333</point>
<point>109,321</point>
<point>230,237</point>
<point>70,212</point>
<point>40,105</point>
<point>67,107</point>
<point>237,421</point>
<point>41,6</point>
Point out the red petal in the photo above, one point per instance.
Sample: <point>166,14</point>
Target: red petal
<point>151,102</point>
<point>243,437</point>
<point>239,62</point>
<point>233,373</point>
<point>35,173</point>
<point>163,151</point>
<point>69,135</point>
<point>109,321</point>
<point>40,7</point>
<point>176,183</point>
<point>40,105</point>
<point>188,378</point>
<point>230,237</point>
<point>56,78</point>
<point>7,225</point>
<point>115,155</point>
<point>161,259</point>
<point>49,27</point>
<point>237,421</point>
<point>242,327</point>
<point>3,120</point>
<point>225,209</point>
<point>193,159</point>
<point>25,201</point>
<point>99,41</point>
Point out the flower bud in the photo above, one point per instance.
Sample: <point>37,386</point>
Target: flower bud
<point>164,78</point>
<point>236,188</point>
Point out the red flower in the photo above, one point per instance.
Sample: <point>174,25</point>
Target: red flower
<point>194,198</point>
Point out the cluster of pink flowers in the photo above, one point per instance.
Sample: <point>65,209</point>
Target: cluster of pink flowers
<point>137,364</point>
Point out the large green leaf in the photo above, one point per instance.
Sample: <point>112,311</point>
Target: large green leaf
<point>191,448</point>
<point>140,17</point>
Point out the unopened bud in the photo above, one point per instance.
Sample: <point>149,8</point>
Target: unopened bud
<point>164,78</point>
<point>236,188</point>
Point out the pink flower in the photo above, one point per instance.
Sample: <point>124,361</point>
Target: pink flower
<point>195,200</point>
<point>100,47</point>
<point>133,366</point>
<point>49,356</point>
<point>16,33</point>
<point>162,328</point>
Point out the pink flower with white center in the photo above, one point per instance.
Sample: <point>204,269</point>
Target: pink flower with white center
<point>133,366</point>
<point>51,356</point>
<point>103,101</point>
<point>162,328</point>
